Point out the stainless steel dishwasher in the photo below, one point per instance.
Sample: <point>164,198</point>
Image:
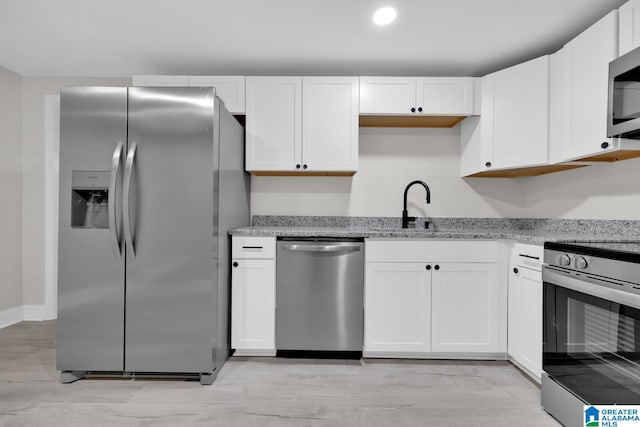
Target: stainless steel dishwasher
<point>319,295</point>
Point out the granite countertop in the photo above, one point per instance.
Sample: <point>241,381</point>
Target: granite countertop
<point>534,231</point>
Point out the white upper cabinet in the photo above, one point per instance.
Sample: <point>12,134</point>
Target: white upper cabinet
<point>387,95</point>
<point>330,107</point>
<point>579,105</point>
<point>229,88</point>
<point>421,95</point>
<point>274,125</point>
<point>156,81</point>
<point>302,125</point>
<point>629,26</point>
<point>444,96</point>
<point>512,131</point>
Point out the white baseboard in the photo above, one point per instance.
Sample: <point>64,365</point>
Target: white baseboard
<point>10,316</point>
<point>34,312</point>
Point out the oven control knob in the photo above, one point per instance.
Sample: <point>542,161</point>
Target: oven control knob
<point>581,263</point>
<point>564,260</point>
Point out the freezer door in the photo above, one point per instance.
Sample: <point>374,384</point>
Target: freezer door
<point>170,179</point>
<point>90,326</point>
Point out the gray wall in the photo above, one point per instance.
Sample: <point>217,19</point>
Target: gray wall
<point>10,189</point>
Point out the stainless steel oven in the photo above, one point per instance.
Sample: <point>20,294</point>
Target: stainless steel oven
<point>591,327</point>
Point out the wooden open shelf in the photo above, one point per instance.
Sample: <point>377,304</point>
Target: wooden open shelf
<point>523,172</point>
<point>613,156</point>
<point>416,121</point>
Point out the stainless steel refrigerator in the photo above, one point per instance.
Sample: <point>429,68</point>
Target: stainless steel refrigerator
<point>151,179</point>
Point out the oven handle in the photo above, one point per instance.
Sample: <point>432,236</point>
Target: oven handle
<point>587,286</point>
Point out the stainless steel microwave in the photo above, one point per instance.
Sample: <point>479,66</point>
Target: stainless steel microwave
<point>623,112</point>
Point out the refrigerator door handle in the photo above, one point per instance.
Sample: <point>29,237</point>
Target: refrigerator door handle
<point>113,223</point>
<point>126,192</point>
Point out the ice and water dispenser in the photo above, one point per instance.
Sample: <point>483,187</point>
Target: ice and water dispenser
<point>90,199</point>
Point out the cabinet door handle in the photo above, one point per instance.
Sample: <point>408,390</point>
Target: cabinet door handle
<point>419,109</point>
<point>304,166</point>
<point>235,264</point>
<point>488,164</point>
<point>515,270</point>
<point>437,267</point>
<point>428,267</point>
<point>604,145</point>
<point>413,109</point>
<point>297,166</point>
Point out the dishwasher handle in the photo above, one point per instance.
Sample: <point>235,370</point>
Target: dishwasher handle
<point>320,248</point>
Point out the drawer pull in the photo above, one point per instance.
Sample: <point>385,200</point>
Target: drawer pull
<point>252,247</point>
<point>529,256</point>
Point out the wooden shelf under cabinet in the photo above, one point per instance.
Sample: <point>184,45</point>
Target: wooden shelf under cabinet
<point>410,121</point>
<point>523,172</point>
<point>612,156</point>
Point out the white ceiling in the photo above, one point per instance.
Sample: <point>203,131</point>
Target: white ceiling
<point>284,37</point>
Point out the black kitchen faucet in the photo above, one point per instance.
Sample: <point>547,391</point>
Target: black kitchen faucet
<point>405,217</point>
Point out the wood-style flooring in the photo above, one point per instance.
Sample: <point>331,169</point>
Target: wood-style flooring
<point>266,392</point>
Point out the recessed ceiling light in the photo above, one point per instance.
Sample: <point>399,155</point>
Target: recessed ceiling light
<point>384,15</point>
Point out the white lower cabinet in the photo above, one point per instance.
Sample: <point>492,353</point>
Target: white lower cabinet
<point>397,301</point>
<point>464,308</point>
<point>253,291</point>
<point>430,299</point>
<point>525,309</point>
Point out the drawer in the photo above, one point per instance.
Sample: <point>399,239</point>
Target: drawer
<point>253,247</point>
<point>526,255</point>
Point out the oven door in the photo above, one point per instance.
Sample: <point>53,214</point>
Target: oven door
<point>591,338</point>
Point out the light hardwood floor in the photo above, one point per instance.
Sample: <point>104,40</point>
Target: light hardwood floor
<point>266,392</point>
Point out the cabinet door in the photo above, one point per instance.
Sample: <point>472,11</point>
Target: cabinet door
<point>525,319</point>
<point>588,57</point>
<point>559,107</point>
<point>518,134</point>
<point>465,308</point>
<point>387,95</point>
<point>629,26</point>
<point>153,81</point>
<point>397,305</point>
<point>330,123</point>
<point>229,88</point>
<point>445,95</point>
<point>273,123</point>
<point>253,306</point>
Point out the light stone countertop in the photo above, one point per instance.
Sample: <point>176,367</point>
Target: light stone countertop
<point>518,235</point>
